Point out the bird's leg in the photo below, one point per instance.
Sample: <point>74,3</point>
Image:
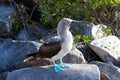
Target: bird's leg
<point>63,65</point>
<point>57,68</point>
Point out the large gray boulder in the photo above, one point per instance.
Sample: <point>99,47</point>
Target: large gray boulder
<point>13,52</point>
<point>111,71</point>
<point>75,72</point>
<point>107,48</point>
<point>31,33</point>
<point>83,29</point>
<point>7,15</point>
<point>86,51</point>
<point>97,31</point>
<point>74,56</point>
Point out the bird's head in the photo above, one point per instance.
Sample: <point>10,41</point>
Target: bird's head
<point>66,23</point>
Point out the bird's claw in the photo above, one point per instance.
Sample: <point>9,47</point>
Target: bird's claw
<point>60,67</point>
<point>57,68</point>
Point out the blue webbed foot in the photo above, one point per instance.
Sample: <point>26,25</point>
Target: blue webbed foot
<point>57,68</point>
<point>64,65</point>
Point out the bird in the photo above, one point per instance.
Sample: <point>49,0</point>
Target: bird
<point>59,46</point>
<point>66,42</point>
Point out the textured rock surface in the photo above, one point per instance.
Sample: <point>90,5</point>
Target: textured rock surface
<point>103,76</point>
<point>31,33</point>
<point>88,54</point>
<point>7,15</point>
<point>75,56</point>
<point>34,62</point>
<point>108,48</point>
<point>83,29</point>
<point>4,75</point>
<point>99,30</point>
<point>30,5</point>
<point>14,52</point>
<point>75,72</point>
<point>111,71</point>
<point>90,30</point>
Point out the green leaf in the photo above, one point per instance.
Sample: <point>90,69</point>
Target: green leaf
<point>109,31</point>
<point>117,1</point>
<point>77,37</point>
<point>50,1</point>
<point>41,41</point>
<point>93,19</point>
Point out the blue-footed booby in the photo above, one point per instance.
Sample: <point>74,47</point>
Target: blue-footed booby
<point>58,46</point>
<point>66,42</point>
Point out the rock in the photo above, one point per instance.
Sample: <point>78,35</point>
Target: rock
<point>103,76</point>
<point>83,29</point>
<point>34,62</point>
<point>13,52</point>
<point>108,48</point>
<point>4,1</point>
<point>75,72</point>
<point>75,56</point>
<point>111,71</point>
<point>31,33</point>
<point>32,9</point>
<point>87,52</point>
<point>4,75</point>
<point>97,31</point>
<point>7,15</point>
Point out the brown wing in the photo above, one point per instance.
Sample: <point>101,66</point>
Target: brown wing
<point>50,47</point>
<point>49,50</point>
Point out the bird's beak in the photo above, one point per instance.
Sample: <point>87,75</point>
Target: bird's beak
<point>76,23</point>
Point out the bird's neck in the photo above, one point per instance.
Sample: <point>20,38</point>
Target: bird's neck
<point>65,34</point>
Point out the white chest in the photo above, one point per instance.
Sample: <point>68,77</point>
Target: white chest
<point>67,41</point>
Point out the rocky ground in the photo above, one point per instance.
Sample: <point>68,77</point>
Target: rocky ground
<point>24,57</point>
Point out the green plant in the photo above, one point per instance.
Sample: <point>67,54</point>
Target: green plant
<point>117,1</point>
<point>15,28</point>
<point>54,10</point>
<point>78,37</point>
<point>84,38</point>
<point>109,31</point>
<point>41,41</point>
<point>88,10</point>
